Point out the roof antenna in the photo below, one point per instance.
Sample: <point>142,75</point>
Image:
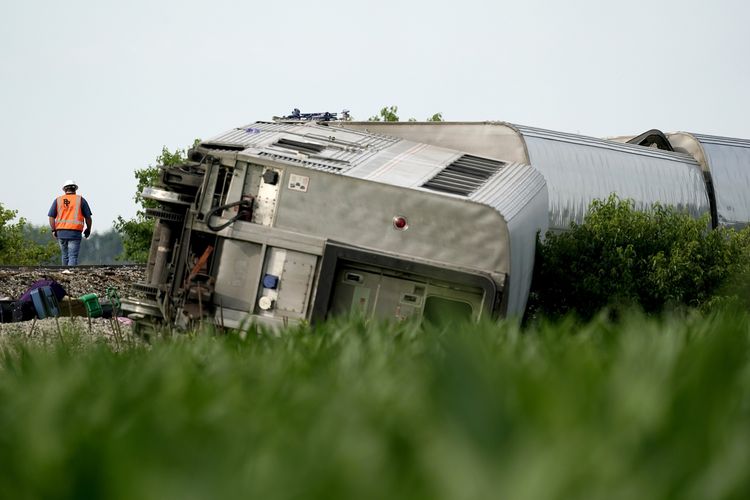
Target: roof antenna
<point>309,117</point>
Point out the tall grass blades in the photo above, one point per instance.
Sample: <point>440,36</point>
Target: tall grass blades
<point>646,408</point>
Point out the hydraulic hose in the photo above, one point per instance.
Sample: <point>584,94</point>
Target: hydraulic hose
<point>245,212</point>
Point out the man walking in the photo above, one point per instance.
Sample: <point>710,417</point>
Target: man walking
<point>66,218</point>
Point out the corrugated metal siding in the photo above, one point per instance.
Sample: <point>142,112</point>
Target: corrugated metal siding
<point>729,162</point>
<point>300,162</point>
<point>582,140</point>
<point>579,170</point>
<point>519,193</point>
<point>722,141</point>
<point>510,189</point>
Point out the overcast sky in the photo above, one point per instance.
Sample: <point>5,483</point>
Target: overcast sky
<point>92,90</point>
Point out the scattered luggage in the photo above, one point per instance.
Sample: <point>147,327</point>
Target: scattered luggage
<point>91,301</point>
<point>6,310</point>
<point>45,302</point>
<point>57,289</point>
<point>13,311</point>
<point>48,299</point>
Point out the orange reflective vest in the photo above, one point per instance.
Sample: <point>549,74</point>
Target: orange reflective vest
<point>69,214</point>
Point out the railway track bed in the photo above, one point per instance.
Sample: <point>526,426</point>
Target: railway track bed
<point>77,281</point>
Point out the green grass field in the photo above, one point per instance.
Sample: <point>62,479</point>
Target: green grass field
<point>647,408</point>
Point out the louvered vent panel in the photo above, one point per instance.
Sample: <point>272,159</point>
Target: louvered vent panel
<point>216,146</point>
<point>302,147</point>
<point>464,176</point>
<point>299,161</point>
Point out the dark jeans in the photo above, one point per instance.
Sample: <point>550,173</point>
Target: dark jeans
<point>69,250</point>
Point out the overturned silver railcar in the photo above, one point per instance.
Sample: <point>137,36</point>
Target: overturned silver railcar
<point>725,162</point>
<point>292,221</point>
<point>578,169</point>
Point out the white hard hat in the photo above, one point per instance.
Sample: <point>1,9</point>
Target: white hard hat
<point>70,182</point>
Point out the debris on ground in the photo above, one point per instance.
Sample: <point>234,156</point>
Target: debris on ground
<point>80,281</point>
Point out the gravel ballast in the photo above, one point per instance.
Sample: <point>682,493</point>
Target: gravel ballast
<point>76,281</point>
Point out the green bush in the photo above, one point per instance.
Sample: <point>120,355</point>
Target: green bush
<point>137,232</point>
<point>16,248</point>
<point>621,256</point>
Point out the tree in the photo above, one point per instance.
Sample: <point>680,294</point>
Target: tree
<point>100,248</point>
<point>620,256</point>
<point>137,232</point>
<point>15,249</point>
<point>387,114</point>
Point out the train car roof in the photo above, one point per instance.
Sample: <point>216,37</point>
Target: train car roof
<point>504,185</point>
<point>728,161</point>
<point>578,169</point>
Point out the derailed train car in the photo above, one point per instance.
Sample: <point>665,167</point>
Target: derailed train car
<point>284,222</point>
<point>580,169</point>
<point>287,221</point>
<point>725,162</point>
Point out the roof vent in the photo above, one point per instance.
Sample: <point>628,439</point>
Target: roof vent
<point>301,147</point>
<point>219,146</point>
<point>465,175</point>
<point>295,159</point>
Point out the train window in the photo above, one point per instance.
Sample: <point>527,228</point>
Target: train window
<point>440,311</point>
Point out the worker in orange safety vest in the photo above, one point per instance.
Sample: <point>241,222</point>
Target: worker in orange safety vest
<point>66,218</point>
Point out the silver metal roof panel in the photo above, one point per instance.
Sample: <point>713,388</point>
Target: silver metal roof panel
<point>328,149</point>
<point>594,142</point>
<point>355,153</point>
<point>728,160</point>
<point>578,169</point>
<point>722,141</point>
<point>519,193</point>
<point>578,172</point>
<point>510,189</point>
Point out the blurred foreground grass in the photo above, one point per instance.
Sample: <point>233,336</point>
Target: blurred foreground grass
<point>648,408</point>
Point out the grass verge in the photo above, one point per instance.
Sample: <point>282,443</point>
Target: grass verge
<point>646,408</point>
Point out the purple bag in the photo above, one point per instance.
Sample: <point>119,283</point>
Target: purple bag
<point>57,289</point>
